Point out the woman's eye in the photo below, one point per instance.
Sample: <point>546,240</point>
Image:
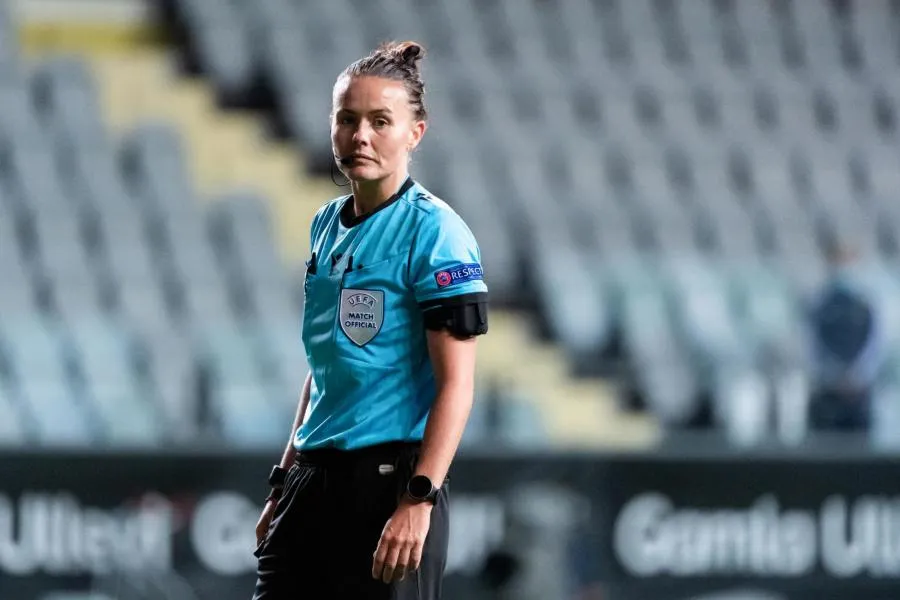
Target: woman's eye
<point>381,123</point>
<point>345,120</point>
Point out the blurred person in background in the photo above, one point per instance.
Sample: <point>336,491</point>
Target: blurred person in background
<point>848,349</point>
<point>394,301</point>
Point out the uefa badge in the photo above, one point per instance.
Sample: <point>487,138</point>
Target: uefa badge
<point>362,314</point>
<point>443,278</point>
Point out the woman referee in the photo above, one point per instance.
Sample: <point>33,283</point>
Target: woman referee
<point>394,301</point>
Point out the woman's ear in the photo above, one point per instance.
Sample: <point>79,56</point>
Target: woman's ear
<point>415,134</point>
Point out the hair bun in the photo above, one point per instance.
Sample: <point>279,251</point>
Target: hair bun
<point>409,53</point>
<point>397,61</point>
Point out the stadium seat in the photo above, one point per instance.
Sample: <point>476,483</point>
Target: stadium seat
<point>156,167</point>
<point>244,225</point>
<point>36,188</point>
<point>65,261</point>
<point>227,56</point>
<point>18,115</point>
<point>244,421</point>
<point>41,358</point>
<point>108,356</point>
<point>174,375</point>
<point>242,234</point>
<point>883,280</point>
<point>274,13</point>
<point>307,120</point>
<point>12,430</point>
<point>655,355</point>
<point>17,296</point>
<point>278,70</point>
<point>10,72</point>
<point>228,352</point>
<point>886,418</point>
<point>131,268</point>
<point>498,420</point>
<point>192,256</point>
<point>520,425</point>
<point>766,307</point>
<point>198,13</point>
<point>572,303</point>
<point>487,222</point>
<point>67,102</point>
<point>97,183</point>
<point>6,28</point>
<point>62,419</point>
<point>742,406</point>
<point>241,398</point>
<point>872,29</point>
<point>702,306</point>
<point>37,345</point>
<point>277,341</point>
<point>736,230</point>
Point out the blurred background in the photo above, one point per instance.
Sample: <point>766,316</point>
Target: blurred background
<point>689,214</point>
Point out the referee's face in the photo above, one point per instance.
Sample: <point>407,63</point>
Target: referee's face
<point>372,122</point>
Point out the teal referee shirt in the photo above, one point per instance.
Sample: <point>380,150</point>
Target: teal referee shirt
<point>363,329</point>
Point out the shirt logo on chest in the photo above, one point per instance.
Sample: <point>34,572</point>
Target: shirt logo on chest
<point>361,314</point>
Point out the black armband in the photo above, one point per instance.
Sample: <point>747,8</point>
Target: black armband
<point>464,316</point>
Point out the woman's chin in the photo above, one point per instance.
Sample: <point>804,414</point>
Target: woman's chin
<point>363,173</point>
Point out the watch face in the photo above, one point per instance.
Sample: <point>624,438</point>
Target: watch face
<point>420,486</point>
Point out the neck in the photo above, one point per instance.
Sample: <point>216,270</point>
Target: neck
<point>368,195</point>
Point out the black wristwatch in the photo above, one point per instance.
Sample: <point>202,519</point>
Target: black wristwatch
<point>277,477</point>
<point>420,489</point>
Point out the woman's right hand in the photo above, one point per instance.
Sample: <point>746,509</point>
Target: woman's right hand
<point>265,519</point>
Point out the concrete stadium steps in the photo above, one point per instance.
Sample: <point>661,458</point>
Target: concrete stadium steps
<point>577,412</point>
<point>226,149</point>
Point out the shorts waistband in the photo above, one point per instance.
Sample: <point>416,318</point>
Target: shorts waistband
<point>337,458</point>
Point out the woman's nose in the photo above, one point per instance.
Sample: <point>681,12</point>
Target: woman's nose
<point>362,133</point>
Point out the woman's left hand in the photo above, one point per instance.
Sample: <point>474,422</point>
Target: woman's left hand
<point>400,548</point>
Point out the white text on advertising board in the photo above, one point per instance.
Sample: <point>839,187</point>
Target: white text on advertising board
<point>56,535</point>
<point>844,537</point>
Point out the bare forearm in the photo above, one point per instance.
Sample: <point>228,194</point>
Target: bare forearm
<point>287,458</point>
<point>443,431</point>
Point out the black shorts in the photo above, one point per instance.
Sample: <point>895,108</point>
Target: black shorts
<point>322,539</point>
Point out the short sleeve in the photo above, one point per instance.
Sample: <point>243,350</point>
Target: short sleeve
<point>315,226</point>
<point>446,260</point>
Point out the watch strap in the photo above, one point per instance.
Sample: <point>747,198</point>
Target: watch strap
<point>277,477</point>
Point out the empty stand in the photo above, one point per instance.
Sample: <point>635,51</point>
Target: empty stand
<point>621,131</point>
<point>653,183</point>
<point>242,398</point>
<point>112,364</point>
<point>114,291</point>
<point>41,359</point>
